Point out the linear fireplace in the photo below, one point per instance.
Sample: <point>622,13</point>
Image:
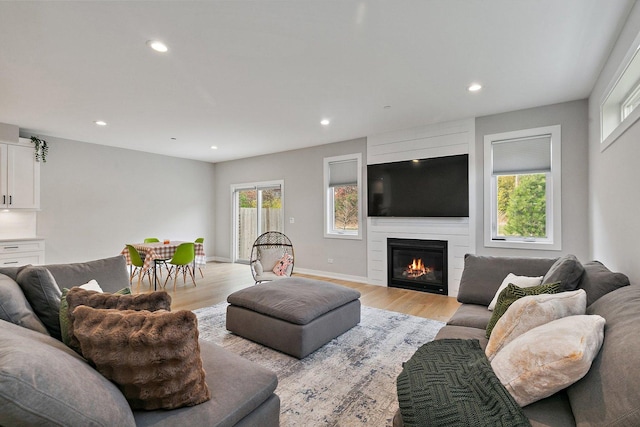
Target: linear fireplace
<point>420,265</point>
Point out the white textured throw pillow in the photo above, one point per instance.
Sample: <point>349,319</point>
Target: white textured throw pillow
<point>92,285</point>
<point>519,281</point>
<point>549,358</point>
<point>269,257</point>
<point>532,311</point>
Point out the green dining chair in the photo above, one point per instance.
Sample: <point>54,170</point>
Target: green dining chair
<point>201,241</point>
<point>160,262</point>
<point>138,263</point>
<point>182,259</point>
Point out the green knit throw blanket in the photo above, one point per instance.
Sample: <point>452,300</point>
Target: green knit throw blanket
<point>450,382</point>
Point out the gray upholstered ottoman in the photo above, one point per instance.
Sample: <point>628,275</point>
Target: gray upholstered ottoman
<point>296,316</point>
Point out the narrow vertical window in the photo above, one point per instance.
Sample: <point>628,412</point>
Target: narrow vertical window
<point>343,196</point>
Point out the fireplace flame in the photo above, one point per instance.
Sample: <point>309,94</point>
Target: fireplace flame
<point>417,269</point>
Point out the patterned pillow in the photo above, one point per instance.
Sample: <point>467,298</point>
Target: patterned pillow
<point>283,264</point>
<point>511,294</point>
<point>122,300</point>
<point>522,281</point>
<point>153,357</point>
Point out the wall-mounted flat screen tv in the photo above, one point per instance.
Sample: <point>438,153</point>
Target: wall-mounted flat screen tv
<point>435,187</point>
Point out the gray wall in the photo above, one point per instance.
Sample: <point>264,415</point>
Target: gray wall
<point>614,174</point>
<point>302,172</point>
<point>95,199</point>
<point>572,116</point>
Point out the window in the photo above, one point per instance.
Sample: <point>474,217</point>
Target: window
<point>522,182</point>
<point>630,103</point>
<point>618,109</point>
<point>257,208</point>
<point>343,196</point>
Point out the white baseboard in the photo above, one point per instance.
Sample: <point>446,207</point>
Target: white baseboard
<point>328,274</point>
<point>331,275</point>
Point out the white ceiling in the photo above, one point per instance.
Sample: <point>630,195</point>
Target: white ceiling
<point>256,77</point>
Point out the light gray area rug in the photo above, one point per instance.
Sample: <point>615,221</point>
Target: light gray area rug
<point>351,381</point>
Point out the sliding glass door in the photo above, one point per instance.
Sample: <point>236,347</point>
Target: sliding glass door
<point>257,209</point>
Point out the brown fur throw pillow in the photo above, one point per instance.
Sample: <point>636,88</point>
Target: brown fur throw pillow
<point>154,357</point>
<point>76,297</point>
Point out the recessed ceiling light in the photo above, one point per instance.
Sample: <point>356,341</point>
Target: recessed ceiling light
<point>100,123</point>
<point>213,147</point>
<point>157,45</point>
<point>474,87</point>
<point>324,122</point>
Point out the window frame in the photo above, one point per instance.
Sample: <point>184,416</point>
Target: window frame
<point>329,231</point>
<point>553,241</point>
<point>258,186</point>
<point>613,121</point>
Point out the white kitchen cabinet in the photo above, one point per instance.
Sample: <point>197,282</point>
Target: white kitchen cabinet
<point>19,176</point>
<point>14,253</point>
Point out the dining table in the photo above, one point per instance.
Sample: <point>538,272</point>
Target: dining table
<point>158,252</point>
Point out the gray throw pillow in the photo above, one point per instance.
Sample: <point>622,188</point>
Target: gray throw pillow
<point>598,281</point>
<point>15,308</point>
<point>567,270</point>
<point>44,295</point>
<point>42,382</point>
<point>12,271</point>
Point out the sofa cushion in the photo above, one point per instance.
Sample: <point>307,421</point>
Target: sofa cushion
<point>598,280</point>
<point>483,274</point>
<point>42,382</point>
<point>464,333</point>
<point>552,411</point>
<point>15,308</point>
<point>111,273</point>
<point>43,294</point>
<point>520,281</point>
<point>231,400</point>
<point>567,270</point>
<point>608,394</point>
<point>11,271</point>
<point>532,311</point>
<point>121,300</point>
<point>512,293</point>
<point>153,357</point>
<point>549,358</point>
<point>471,315</point>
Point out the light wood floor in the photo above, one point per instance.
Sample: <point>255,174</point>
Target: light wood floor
<point>222,279</point>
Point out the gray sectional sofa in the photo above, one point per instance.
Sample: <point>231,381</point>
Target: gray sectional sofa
<point>43,382</point>
<point>609,393</point>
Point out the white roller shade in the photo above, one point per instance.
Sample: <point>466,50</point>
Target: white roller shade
<point>520,156</point>
<point>343,173</point>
